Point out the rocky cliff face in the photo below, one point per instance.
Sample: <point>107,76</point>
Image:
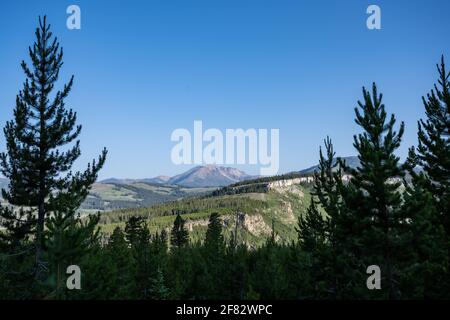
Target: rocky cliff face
<point>280,184</point>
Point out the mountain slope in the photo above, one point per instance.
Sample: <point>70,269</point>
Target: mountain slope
<point>209,176</point>
<point>158,179</point>
<point>117,194</point>
<point>252,214</point>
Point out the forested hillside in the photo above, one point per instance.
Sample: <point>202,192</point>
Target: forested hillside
<point>378,230</point>
<point>251,214</point>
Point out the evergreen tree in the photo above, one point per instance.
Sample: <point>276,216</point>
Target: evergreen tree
<point>214,240</point>
<point>328,183</point>
<point>136,231</point>
<point>179,236</point>
<point>181,263</point>
<point>427,198</point>
<point>236,272</point>
<point>426,272</point>
<point>433,151</point>
<point>123,266</point>
<point>68,240</point>
<point>321,232</point>
<point>98,275</point>
<point>158,289</point>
<point>40,181</point>
<point>138,239</point>
<point>213,254</point>
<point>373,197</point>
<point>16,266</point>
<point>269,271</point>
<point>312,229</point>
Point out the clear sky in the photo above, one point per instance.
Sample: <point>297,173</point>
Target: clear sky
<point>145,68</point>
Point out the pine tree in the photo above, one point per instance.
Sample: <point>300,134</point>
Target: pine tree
<point>138,238</point>
<point>213,257</point>
<point>136,231</point>
<point>68,239</point>
<point>322,232</point>
<point>307,256</point>
<point>426,273</point>
<point>427,198</point>
<point>123,266</point>
<point>179,236</point>
<point>214,239</point>
<point>40,180</point>
<point>159,290</point>
<point>372,195</point>
<point>433,151</point>
<point>328,184</point>
<point>312,229</point>
<point>269,271</point>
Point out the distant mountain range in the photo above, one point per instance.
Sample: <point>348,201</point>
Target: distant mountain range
<point>198,177</point>
<point>116,193</point>
<point>209,176</point>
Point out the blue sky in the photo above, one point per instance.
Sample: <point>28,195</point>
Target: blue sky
<point>145,68</point>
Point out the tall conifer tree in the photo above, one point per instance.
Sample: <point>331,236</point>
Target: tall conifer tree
<point>40,181</point>
<point>427,200</point>
<point>179,236</point>
<point>372,195</point>
<point>433,151</point>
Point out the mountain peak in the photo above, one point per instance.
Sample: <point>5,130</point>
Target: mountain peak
<point>209,175</point>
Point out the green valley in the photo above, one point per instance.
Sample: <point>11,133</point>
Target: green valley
<point>253,214</point>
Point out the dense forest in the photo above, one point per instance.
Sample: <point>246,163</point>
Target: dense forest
<point>377,218</point>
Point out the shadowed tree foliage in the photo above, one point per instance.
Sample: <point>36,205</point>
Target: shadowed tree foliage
<point>372,197</point>
<point>179,236</point>
<point>427,198</point>
<point>312,228</point>
<point>433,151</point>
<point>40,155</point>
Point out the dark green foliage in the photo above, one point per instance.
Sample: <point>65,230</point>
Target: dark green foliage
<point>123,266</point>
<point>179,236</point>
<point>433,152</point>
<point>426,276</point>
<point>322,233</point>
<point>372,197</point>
<point>214,238</point>
<point>158,289</point>
<point>213,256</point>
<point>68,239</point>
<point>312,229</point>
<point>209,205</point>
<point>427,198</point>
<point>41,147</point>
